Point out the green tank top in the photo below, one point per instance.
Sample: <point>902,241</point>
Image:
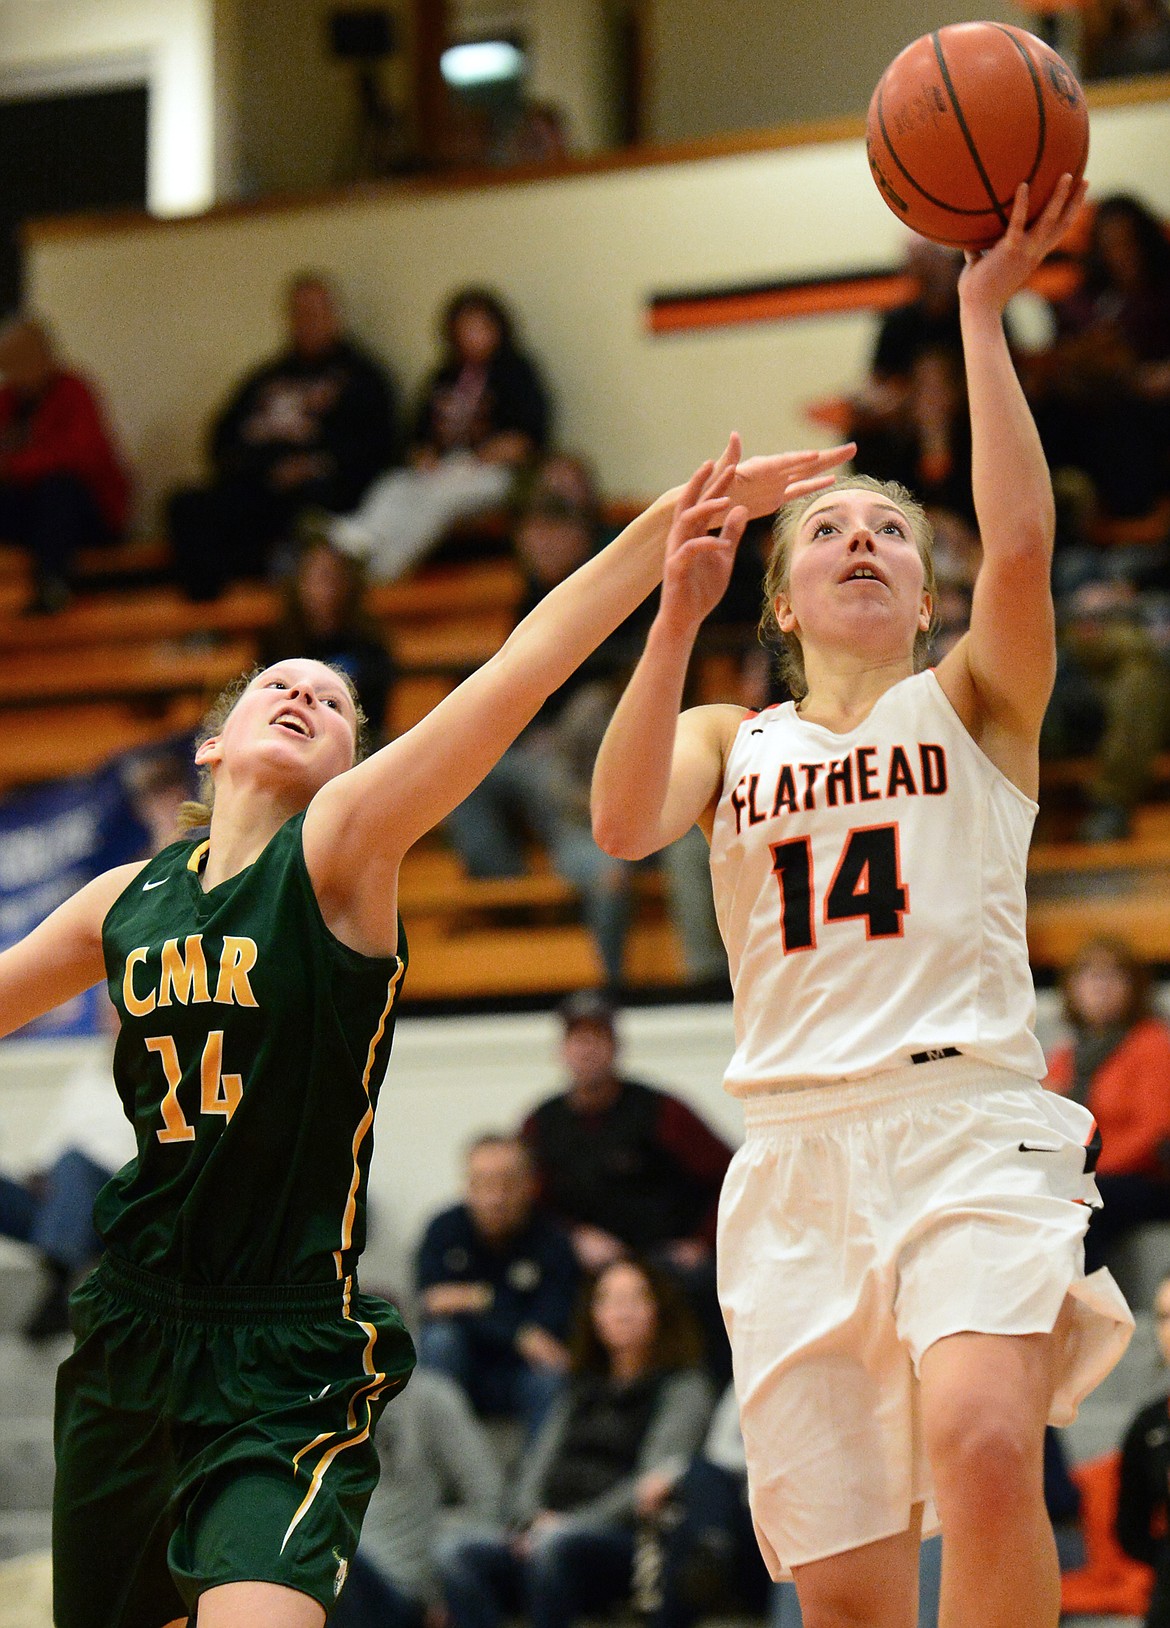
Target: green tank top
<point>252,1047</point>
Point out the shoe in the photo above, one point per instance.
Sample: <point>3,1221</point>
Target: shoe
<point>1107,822</point>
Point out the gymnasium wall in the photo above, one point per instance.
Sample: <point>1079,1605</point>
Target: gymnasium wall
<point>167,315</point>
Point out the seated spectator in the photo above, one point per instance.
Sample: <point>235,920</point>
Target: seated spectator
<point>497,1284</point>
<point>909,419</point>
<point>627,1167</point>
<point>1111,701</point>
<point>636,1409</point>
<point>88,1138</point>
<point>537,789</point>
<point>325,618</point>
<point>1143,1506</point>
<point>484,414</point>
<point>1102,392</point>
<point>63,483</point>
<point>86,1141</point>
<point>1131,37</point>
<point>709,1561</point>
<point>1118,1066</point>
<point>308,430</point>
<point>436,1465</point>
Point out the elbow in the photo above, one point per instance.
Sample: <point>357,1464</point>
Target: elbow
<point>613,837</point>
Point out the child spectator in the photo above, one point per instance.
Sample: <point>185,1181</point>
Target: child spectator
<point>1118,1066</point>
<point>497,1283</point>
<point>308,430</point>
<point>484,414</point>
<point>325,618</point>
<point>636,1409</point>
<point>63,483</point>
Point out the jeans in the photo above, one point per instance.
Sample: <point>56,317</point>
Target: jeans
<point>371,1599</point>
<point>498,1382</point>
<point>711,1555</point>
<point>59,1224</point>
<point>521,791</point>
<point>52,518</point>
<point>570,1572</point>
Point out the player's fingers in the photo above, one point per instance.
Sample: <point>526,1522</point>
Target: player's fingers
<point>731,454</point>
<point>814,483</point>
<point>733,526</point>
<point>703,516</point>
<point>693,487</point>
<point>1019,215</point>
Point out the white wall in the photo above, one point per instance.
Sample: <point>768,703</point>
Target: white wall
<point>169,43</point>
<point>167,316</point>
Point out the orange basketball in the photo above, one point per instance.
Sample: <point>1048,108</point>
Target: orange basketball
<point>961,117</point>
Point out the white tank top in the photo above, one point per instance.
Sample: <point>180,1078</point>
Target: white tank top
<point>870,891</point>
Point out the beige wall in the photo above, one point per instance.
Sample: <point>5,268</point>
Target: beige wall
<point>168,316</point>
<point>782,60</point>
<point>169,43</point>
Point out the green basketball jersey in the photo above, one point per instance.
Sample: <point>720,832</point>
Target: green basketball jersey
<point>252,1047</point>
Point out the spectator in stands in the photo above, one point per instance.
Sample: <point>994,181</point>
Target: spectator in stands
<point>484,415</point>
<point>709,1560</point>
<point>437,1464</point>
<point>1111,701</point>
<point>910,419</point>
<point>636,1409</point>
<point>325,617</point>
<point>628,1167</point>
<point>1118,1065</point>
<point>1143,1505</point>
<point>497,1283</point>
<point>1102,393</point>
<point>63,482</point>
<point>307,430</point>
<point>537,788</point>
<point>88,1138</point>
<point>1133,37</point>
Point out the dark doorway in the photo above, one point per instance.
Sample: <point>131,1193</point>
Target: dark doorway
<point>80,150</point>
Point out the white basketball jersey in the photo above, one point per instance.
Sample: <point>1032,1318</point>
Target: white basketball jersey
<point>870,892</point>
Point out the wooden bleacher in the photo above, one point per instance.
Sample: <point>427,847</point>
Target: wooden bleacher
<point>136,663</point>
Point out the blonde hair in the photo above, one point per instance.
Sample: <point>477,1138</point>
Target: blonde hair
<point>196,813</point>
<point>790,656</point>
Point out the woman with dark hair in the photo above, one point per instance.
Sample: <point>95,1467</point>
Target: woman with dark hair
<point>1118,1065</point>
<point>635,1410</point>
<point>484,413</point>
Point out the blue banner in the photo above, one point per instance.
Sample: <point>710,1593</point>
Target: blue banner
<point>54,839</point>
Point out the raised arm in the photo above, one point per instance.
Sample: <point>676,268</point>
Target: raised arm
<point>376,811</point>
<point>61,957</point>
<point>657,773</point>
<point>999,676</point>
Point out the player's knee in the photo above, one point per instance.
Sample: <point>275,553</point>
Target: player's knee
<point>986,1458</point>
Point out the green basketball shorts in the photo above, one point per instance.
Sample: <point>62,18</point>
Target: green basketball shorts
<point>214,1435</point>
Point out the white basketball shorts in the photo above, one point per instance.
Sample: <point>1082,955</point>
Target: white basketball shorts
<point>858,1224</point>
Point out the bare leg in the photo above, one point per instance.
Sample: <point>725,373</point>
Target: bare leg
<point>875,1586</point>
<point>985,1401</point>
<point>257,1605</point>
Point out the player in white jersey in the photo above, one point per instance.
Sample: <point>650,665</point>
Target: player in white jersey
<point>901,1258</point>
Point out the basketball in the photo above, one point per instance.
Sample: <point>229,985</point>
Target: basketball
<point>961,117</point>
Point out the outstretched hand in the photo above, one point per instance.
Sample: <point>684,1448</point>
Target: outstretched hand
<point>727,494</point>
<point>992,277</point>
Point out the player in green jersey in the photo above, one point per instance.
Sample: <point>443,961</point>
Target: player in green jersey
<point>214,1420</point>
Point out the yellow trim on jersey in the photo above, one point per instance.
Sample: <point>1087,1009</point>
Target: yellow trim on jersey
<point>365,1122</point>
<point>198,855</point>
<point>368,1393</point>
